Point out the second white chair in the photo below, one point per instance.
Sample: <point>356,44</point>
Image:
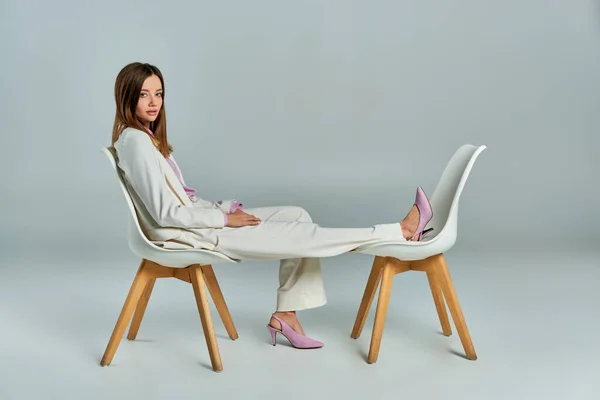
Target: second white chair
<point>426,255</point>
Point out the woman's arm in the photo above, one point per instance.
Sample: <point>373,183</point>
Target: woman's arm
<point>138,160</point>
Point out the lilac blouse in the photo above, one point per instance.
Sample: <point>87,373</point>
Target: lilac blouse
<point>191,192</point>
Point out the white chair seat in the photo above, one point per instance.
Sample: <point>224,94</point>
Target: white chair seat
<point>409,251</point>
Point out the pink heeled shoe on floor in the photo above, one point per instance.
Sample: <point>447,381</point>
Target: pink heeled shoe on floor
<point>425,214</point>
<point>297,340</point>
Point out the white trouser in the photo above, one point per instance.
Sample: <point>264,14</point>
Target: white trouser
<point>288,234</point>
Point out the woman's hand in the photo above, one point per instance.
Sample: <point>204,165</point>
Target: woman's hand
<point>239,218</point>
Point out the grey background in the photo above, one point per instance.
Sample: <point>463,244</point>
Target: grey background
<point>340,107</point>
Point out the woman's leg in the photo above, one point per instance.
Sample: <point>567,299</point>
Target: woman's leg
<point>288,234</point>
<point>300,288</point>
<point>280,240</point>
<point>300,279</point>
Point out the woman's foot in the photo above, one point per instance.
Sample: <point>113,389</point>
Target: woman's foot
<point>417,218</point>
<point>289,317</point>
<point>410,223</point>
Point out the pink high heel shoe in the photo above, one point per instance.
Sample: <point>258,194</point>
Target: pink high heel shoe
<point>297,340</point>
<point>425,214</point>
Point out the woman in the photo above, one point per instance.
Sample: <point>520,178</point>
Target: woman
<point>173,216</point>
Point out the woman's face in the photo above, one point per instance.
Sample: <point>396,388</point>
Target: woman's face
<point>150,100</point>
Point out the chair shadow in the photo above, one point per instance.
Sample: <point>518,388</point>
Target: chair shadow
<point>207,366</point>
<point>457,353</point>
<point>141,340</point>
<point>452,351</point>
<point>222,336</point>
<point>363,353</point>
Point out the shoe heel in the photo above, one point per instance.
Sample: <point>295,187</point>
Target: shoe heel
<point>273,335</point>
<point>425,232</point>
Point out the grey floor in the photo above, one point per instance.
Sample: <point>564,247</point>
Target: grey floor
<point>533,318</point>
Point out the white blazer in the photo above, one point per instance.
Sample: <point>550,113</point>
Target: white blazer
<point>168,216</point>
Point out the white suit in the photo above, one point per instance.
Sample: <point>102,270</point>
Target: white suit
<point>170,219</point>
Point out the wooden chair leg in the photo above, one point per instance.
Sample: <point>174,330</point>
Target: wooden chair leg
<point>138,285</point>
<point>368,296</point>
<point>387,279</point>
<point>438,299</point>
<point>207,324</point>
<point>215,292</point>
<point>140,309</point>
<point>459,320</point>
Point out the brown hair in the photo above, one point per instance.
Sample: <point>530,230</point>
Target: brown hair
<point>128,87</point>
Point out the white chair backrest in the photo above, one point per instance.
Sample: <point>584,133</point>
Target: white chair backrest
<point>446,195</point>
<point>136,234</point>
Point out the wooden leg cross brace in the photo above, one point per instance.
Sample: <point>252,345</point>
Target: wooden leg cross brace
<point>139,294</point>
<point>382,274</point>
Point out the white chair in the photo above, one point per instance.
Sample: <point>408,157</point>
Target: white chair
<point>426,255</point>
<point>193,266</point>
